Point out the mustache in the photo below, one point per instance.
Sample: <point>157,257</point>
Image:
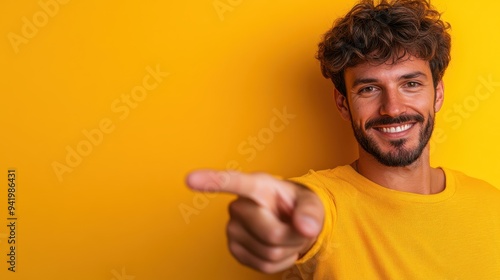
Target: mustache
<point>391,120</point>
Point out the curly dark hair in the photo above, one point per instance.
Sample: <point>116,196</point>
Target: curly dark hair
<point>385,33</point>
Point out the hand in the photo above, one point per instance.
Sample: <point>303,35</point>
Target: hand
<point>272,222</point>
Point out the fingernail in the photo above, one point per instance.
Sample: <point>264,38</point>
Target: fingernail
<point>309,225</point>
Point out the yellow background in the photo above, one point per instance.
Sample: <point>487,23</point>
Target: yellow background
<point>117,215</point>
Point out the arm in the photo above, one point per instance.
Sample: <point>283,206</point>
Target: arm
<point>272,222</point>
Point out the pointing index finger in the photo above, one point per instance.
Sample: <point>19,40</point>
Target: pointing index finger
<point>208,180</point>
<point>261,188</point>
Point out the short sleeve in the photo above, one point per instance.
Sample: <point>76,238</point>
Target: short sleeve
<point>309,181</point>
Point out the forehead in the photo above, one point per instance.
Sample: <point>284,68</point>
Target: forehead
<point>386,71</point>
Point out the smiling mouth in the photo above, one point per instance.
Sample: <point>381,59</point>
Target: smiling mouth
<point>395,129</point>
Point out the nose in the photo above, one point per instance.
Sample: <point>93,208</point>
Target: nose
<point>392,103</point>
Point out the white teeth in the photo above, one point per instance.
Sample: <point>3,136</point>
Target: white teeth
<point>396,129</point>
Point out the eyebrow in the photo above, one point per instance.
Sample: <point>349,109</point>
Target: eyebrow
<point>363,81</point>
<point>408,76</point>
<point>413,75</point>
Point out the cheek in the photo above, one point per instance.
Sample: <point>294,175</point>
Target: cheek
<point>421,103</point>
<point>359,121</point>
<point>363,112</point>
<point>425,106</point>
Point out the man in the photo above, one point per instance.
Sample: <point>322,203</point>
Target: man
<point>389,214</point>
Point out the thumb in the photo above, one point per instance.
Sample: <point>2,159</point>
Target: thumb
<point>308,213</point>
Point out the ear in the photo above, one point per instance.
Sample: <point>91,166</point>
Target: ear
<point>342,105</point>
<point>438,103</point>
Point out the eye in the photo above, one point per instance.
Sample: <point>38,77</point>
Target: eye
<point>367,89</point>
<point>412,84</point>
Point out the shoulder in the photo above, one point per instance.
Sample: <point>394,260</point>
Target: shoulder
<point>462,178</point>
<point>329,184</point>
<point>324,178</point>
<point>334,173</point>
<point>470,185</point>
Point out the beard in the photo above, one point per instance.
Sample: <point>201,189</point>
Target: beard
<point>401,155</point>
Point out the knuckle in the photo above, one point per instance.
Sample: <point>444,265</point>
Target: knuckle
<point>265,265</point>
<point>236,207</point>
<point>268,268</point>
<point>232,229</point>
<point>275,254</point>
<point>233,207</point>
<point>236,250</point>
<point>275,236</point>
<point>261,179</point>
<point>242,256</point>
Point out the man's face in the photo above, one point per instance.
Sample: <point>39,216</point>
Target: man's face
<point>392,108</point>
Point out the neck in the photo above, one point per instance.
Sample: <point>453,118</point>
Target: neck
<point>418,177</point>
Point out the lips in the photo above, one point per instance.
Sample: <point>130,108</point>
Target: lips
<point>397,124</point>
<point>395,129</point>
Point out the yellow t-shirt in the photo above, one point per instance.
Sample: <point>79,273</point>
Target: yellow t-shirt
<point>372,232</point>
